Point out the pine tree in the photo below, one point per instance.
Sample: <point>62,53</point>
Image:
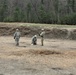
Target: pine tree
<point>56,9</point>
<point>16,15</point>
<point>73,5</point>
<point>28,12</point>
<point>3,10</point>
<point>42,1</point>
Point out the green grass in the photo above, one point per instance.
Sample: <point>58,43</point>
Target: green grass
<point>40,25</point>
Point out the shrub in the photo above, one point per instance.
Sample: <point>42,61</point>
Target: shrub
<point>69,19</point>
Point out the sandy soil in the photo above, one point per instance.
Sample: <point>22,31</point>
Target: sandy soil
<point>56,57</point>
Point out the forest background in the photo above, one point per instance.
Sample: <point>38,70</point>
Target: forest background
<point>38,11</point>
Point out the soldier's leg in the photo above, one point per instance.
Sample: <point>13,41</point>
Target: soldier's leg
<point>32,42</point>
<point>42,43</point>
<point>35,42</point>
<point>17,41</point>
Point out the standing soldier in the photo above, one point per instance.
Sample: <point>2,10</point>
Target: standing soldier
<point>34,40</point>
<point>17,37</point>
<point>42,37</point>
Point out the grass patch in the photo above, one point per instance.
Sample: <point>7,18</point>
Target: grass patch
<point>39,25</point>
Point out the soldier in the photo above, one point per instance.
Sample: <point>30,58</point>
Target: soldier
<point>17,37</point>
<point>42,37</point>
<point>34,40</point>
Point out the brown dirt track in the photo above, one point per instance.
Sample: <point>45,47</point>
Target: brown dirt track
<point>56,57</point>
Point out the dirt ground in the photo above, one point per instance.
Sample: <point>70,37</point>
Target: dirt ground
<point>56,57</point>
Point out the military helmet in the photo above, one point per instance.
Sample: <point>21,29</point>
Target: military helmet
<point>42,29</point>
<point>35,35</point>
<point>17,29</point>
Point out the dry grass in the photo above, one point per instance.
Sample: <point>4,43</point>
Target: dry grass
<point>39,25</point>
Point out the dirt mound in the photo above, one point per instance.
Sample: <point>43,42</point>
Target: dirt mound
<point>5,30</point>
<point>45,52</point>
<point>73,34</point>
<point>57,33</point>
<point>30,31</point>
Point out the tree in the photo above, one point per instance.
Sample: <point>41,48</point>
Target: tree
<point>3,10</point>
<point>73,5</point>
<point>28,11</point>
<point>42,1</point>
<point>69,19</point>
<point>45,17</point>
<point>17,14</point>
<point>38,11</point>
<point>56,9</point>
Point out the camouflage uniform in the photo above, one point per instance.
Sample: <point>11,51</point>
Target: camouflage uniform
<point>17,37</point>
<point>34,40</point>
<point>42,37</point>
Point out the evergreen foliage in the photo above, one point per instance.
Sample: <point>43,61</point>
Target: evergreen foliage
<point>41,11</point>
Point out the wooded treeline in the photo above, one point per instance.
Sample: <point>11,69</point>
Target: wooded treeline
<point>38,11</point>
